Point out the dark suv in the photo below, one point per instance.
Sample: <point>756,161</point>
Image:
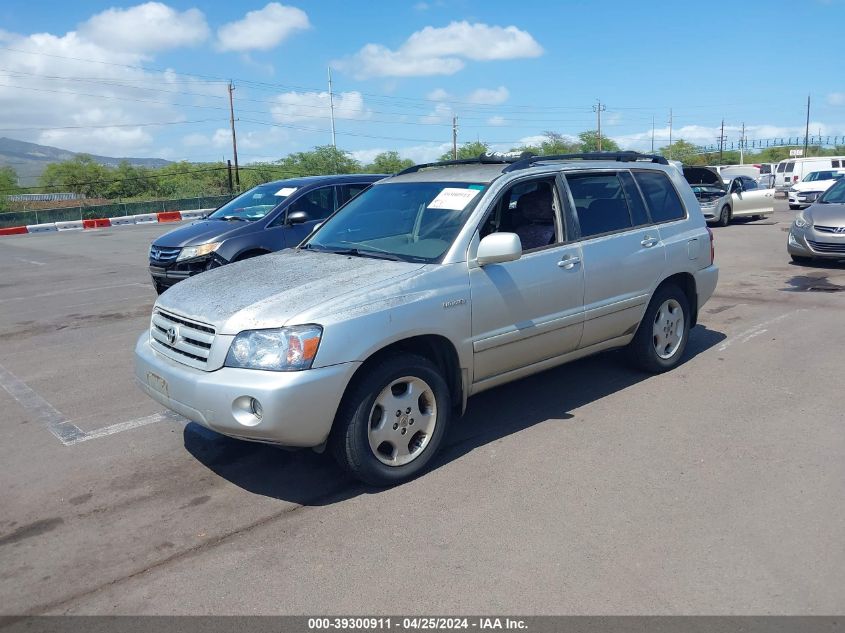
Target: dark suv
<point>267,218</point>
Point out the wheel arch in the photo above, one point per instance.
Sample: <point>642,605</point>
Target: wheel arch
<point>250,252</point>
<point>686,282</point>
<point>434,347</point>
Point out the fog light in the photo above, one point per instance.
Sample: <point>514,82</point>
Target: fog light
<point>255,407</point>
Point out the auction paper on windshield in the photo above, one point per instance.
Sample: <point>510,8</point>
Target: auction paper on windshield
<point>453,199</point>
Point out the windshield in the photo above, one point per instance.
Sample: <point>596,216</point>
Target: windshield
<point>406,221</point>
<point>820,175</point>
<point>834,195</point>
<point>253,204</point>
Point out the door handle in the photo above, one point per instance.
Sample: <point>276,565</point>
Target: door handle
<point>569,261</point>
<point>649,241</point>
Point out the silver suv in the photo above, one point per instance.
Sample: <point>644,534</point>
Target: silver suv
<point>432,286</point>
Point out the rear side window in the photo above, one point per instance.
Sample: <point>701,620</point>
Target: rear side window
<point>600,203</point>
<point>835,163</point>
<point>662,199</point>
<point>789,167</point>
<point>781,167</point>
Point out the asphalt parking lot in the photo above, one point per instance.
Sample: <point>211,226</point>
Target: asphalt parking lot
<point>717,488</point>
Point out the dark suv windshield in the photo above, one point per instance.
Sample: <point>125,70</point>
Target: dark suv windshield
<point>836,194</point>
<point>820,175</point>
<point>253,204</point>
<point>409,221</point>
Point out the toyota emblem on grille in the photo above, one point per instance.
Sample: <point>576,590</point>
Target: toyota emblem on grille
<point>172,334</point>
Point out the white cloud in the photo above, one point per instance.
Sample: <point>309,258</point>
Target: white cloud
<point>442,51</point>
<point>479,96</point>
<point>442,113</point>
<point>497,121</point>
<point>307,106</point>
<point>836,98</point>
<point>145,27</point>
<point>263,29</point>
<point>484,96</point>
<point>42,93</point>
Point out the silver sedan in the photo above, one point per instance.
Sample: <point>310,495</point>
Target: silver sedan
<point>818,232</point>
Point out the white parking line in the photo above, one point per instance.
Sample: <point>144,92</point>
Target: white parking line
<point>30,261</point>
<point>65,431</point>
<point>757,330</point>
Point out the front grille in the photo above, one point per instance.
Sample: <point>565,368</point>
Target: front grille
<point>163,255</point>
<point>827,247</point>
<point>830,229</point>
<point>181,339</point>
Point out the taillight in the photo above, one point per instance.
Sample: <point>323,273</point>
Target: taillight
<point>795,179</point>
<point>712,248</point>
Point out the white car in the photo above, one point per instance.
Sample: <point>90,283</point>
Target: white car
<point>722,199</point>
<point>803,194</point>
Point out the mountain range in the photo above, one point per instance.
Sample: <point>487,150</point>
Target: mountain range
<point>30,159</point>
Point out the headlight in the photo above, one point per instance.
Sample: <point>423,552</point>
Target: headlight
<point>793,190</point>
<point>801,222</point>
<point>189,252</point>
<point>284,349</point>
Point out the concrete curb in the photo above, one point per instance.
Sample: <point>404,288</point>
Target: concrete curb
<point>101,223</point>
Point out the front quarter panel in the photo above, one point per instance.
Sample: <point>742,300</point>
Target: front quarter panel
<point>434,302</point>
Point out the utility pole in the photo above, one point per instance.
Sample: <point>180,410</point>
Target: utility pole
<point>721,141</point>
<point>742,145</point>
<point>454,137</point>
<point>234,138</point>
<point>598,109</point>
<point>652,134</point>
<point>229,169</point>
<point>331,106</point>
<point>807,129</point>
<point>670,132</point>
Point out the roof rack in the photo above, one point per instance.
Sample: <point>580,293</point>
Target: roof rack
<point>481,159</point>
<point>622,157</point>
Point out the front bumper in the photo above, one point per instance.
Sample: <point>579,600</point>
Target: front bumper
<point>710,212</point>
<point>166,275</point>
<point>298,406</point>
<point>802,199</point>
<point>808,242</point>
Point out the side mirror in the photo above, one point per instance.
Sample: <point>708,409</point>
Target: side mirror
<point>298,217</point>
<point>498,248</point>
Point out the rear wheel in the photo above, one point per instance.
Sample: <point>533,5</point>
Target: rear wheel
<point>724,216</point>
<point>393,420</point>
<point>662,336</point>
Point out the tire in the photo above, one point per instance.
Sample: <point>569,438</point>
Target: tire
<point>795,207</point>
<point>798,259</point>
<point>249,255</point>
<point>724,216</point>
<point>665,326</point>
<point>159,288</point>
<point>382,436</point>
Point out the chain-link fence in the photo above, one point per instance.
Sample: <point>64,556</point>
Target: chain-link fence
<point>41,216</point>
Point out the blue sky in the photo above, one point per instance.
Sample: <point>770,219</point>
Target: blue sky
<point>148,79</point>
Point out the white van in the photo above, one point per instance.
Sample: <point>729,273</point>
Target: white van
<point>793,170</point>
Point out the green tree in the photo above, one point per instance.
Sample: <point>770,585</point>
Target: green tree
<point>590,142</point>
<point>681,150</point>
<point>8,186</point>
<point>553,143</point>
<point>321,161</point>
<point>82,174</point>
<point>388,163</point>
<point>473,149</point>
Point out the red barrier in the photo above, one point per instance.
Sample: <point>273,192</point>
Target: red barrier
<point>14,230</point>
<point>98,223</point>
<point>169,216</point>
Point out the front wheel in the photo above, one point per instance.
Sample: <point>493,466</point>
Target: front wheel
<point>795,207</point>
<point>724,216</point>
<point>393,420</point>
<point>801,260</point>
<point>662,336</point>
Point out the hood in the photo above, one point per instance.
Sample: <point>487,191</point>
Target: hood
<point>202,232</point>
<point>814,185</point>
<point>268,291</point>
<point>826,214</point>
<point>702,176</point>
